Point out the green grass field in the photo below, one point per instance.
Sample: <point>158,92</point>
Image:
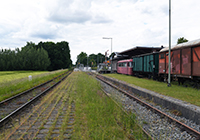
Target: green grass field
<point>14,82</point>
<point>188,94</point>
<point>6,76</point>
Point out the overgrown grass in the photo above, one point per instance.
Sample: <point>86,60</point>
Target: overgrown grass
<point>6,76</point>
<point>96,116</point>
<point>188,94</point>
<point>10,88</point>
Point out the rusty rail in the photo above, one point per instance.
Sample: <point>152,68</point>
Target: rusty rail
<point>181,125</point>
<point>16,111</point>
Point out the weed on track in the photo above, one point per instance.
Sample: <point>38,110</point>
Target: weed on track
<point>75,109</point>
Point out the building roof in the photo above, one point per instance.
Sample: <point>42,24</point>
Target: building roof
<point>127,54</point>
<point>139,50</point>
<point>183,45</point>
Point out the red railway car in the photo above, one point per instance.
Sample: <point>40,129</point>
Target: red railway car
<point>185,62</point>
<point>125,67</point>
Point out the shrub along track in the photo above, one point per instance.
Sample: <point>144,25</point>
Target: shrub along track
<point>50,117</point>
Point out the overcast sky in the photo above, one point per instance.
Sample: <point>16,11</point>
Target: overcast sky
<point>83,23</point>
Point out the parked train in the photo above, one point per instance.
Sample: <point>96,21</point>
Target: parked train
<point>125,67</point>
<point>185,63</point>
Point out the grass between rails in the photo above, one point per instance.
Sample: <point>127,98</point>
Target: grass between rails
<point>96,116</point>
<point>40,113</point>
<point>11,88</point>
<point>188,94</point>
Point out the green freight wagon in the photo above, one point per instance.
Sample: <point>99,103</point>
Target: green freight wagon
<point>146,65</point>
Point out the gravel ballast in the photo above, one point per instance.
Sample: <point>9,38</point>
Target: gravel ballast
<point>157,127</point>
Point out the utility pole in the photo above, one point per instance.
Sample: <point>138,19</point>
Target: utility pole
<point>87,62</point>
<point>169,54</point>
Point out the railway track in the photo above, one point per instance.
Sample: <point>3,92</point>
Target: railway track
<point>173,124</point>
<point>146,134</point>
<point>50,117</point>
<point>12,106</point>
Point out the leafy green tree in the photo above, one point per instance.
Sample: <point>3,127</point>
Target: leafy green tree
<point>64,55</point>
<point>42,59</point>
<point>28,58</point>
<point>82,59</point>
<point>92,63</point>
<point>59,54</point>
<point>181,40</point>
<point>100,58</point>
<point>7,59</point>
<point>34,59</point>
<point>92,59</point>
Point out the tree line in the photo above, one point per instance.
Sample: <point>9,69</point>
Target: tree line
<point>91,60</point>
<point>43,56</point>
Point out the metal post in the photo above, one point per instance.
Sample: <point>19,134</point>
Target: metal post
<point>111,45</point>
<point>169,55</point>
<point>111,55</point>
<point>111,49</point>
<point>87,62</point>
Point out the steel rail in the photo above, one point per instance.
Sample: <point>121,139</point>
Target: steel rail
<point>144,131</point>
<point>29,90</point>
<point>181,125</point>
<point>15,112</point>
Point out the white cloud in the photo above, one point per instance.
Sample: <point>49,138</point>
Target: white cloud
<point>83,23</point>
<point>72,11</point>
